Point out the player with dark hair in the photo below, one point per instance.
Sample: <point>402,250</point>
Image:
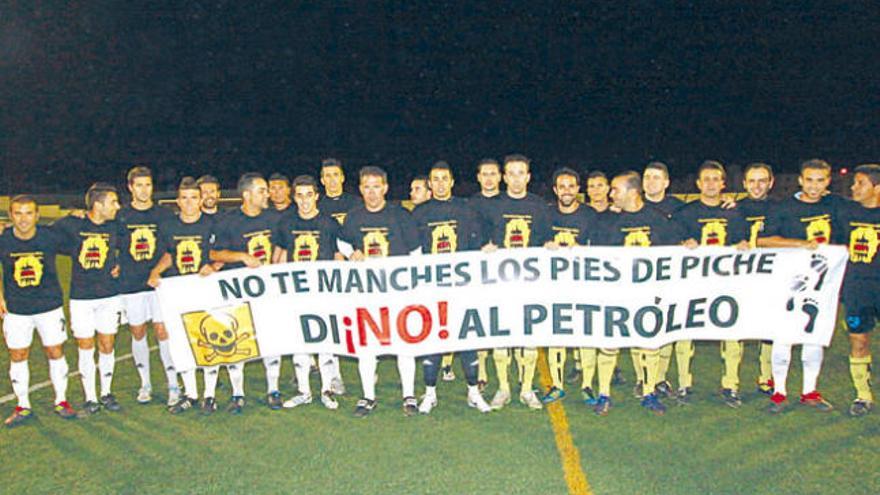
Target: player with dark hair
<point>804,221</point>
<point>209,187</point>
<point>376,229</point>
<point>31,298</point>
<point>279,191</point>
<point>859,229</point>
<point>92,242</point>
<point>139,250</point>
<point>419,190</point>
<point>655,181</point>
<point>187,240</point>
<point>706,222</point>
<point>334,202</point>
<point>308,236</point>
<point>519,219</point>
<point>445,224</point>
<point>597,191</point>
<point>245,237</point>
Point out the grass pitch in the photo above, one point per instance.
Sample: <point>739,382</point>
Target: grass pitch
<point>705,447</point>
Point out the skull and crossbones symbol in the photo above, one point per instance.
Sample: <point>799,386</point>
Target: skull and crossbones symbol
<point>219,334</point>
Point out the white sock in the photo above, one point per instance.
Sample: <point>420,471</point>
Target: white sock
<point>780,359</point>
<point>336,372</point>
<point>212,373</point>
<point>167,364</point>
<point>430,391</point>
<point>328,370</point>
<point>811,357</point>
<point>140,351</point>
<point>86,365</point>
<point>301,367</point>
<point>106,363</point>
<point>236,377</point>
<point>367,370</point>
<point>406,366</point>
<point>20,376</point>
<point>189,384</point>
<point>58,376</point>
<point>273,373</point>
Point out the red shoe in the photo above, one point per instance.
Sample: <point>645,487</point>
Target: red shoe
<point>815,399</point>
<point>64,410</point>
<point>778,403</point>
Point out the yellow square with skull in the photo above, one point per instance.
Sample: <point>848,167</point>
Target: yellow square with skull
<point>222,335</point>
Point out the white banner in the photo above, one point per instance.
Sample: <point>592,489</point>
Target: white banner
<point>577,297</point>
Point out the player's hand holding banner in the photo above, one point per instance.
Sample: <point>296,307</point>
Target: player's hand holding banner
<point>580,297</point>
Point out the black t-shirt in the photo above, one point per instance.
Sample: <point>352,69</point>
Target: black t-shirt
<point>755,213</point>
<point>518,222</point>
<point>308,240</point>
<point>643,228</point>
<point>30,280</point>
<point>139,245</point>
<point>858,228</point>
<point>388,232</point>
<point>337,207</point>
<point>235,231</point>
<point>573,229</point>
<point>92,249</point>
<point>795,219</point>
<point>669,205</point>
<point>711,225</point>
<point>481,207</point>
<point>188,244</point>
<point>447,226</point>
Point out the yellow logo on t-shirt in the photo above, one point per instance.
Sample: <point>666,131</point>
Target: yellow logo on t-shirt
<point>714,233</point>
<point>189,256</point>
<point>375,244</point>
<point>444,239</point>
<point>93,252</point>
<point>260,247</point>
<point>143,244</point>
<point>819,230</point>
<point>517,232</point>
<point>305,247</point>
<point>639,237</point>
<point>755,230</point>
<point>28,270</point>
<point>863,243</point>
<point>566,237</point>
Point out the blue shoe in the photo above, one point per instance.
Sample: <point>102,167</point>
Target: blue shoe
<point>653,404</point>
<point>603,405</point>
<point>553,395</point>
<point>590,397</point>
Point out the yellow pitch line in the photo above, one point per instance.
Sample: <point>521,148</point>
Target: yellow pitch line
<point>575,477</point>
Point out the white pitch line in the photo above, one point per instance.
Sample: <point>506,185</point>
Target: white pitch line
<point>42,385</point>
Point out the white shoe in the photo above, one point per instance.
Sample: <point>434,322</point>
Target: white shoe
<point>297,400</point>
<point>501,399</point>
<point>329,401</point>
<point>145,395</point>
<point>477,401</point>
<point>173,396</point>
<point>530,399</point>
<point>337,386</point>
<point>429,402</point>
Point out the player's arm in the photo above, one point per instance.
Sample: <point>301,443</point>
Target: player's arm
<point>229,256</point>
<point>776,241</point>
<point>157,271</point>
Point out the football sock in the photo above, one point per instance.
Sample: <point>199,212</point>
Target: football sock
<point>86,365</point>
<point>167,363</point>
<point>212,373</point>
<point>606,360</point>
<point>20,376</point>
<point>665,359</point>
<point>528,364</point>
<point>556,360</point>
<point>731,352</point>
<point>406,367</point>
<point>367,370</point>
<point>651,358</point>
<point>140,351</point>
<point>327,368</point>
<point>684,351</point>
<point>431,368</point>
<point>236,378</point>
<point>273,372</point>
<point>636,355</point>
<point>302,364</point>
<point>811,356</point>
<point>860,369</point>
<point>58,376</point>
<point>780,360</point>
<point>189,384</point>
<point>482,374</point>
<point>106,363</point>
<point>577,359</point>
<point>765,363</point>
<point>501,358</point>
<point>587,360</point>
<point>470,366</point>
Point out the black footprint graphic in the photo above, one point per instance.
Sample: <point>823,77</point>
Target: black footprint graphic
<point>819,263</point>
<point>811,309</point>
<point>799,284</point>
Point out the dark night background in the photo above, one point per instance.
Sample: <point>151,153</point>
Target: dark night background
<point>89,88</point>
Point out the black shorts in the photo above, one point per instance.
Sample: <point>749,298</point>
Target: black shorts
<point>861,301</point>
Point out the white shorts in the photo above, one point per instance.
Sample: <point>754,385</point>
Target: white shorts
<point>142,307</point>
<point>19,329</point>
<point>88,316</point>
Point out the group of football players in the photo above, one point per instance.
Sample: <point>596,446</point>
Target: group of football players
<point>120,254</point>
